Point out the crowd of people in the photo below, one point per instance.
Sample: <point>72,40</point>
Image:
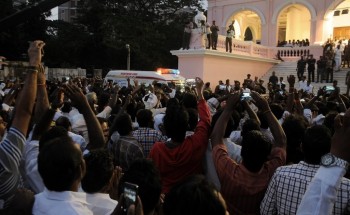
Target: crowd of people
<point>74,147</point>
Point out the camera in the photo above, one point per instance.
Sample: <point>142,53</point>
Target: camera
<point>130,195</point>
<point>246,97</point>
<point>328,89</point>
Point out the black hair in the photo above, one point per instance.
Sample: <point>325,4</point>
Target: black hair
<point>250,125</point>
<point>329,121</point>
<point>263,121</point>
<point>122,124</point>
<point>67,107</point>
<point>192,118</point>
<point>193,196</point>
<point>99,170</point>
<point>255,150</point>
<point>54,132</point>
<point>176,122</point>
<point>316,143</point>
<point>189,100</point>
<point>144,173</point>
<point>277,110</point>
<point>64,122</point>
<point>230,123</point>
<point>144,118</point>
<point>102,101</point>
<point>59,164</point>
<point>294,127</point>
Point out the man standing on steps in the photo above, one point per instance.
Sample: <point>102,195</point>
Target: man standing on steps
<point>311,68</point>
<point>347,82</point>
<point>301,67</point>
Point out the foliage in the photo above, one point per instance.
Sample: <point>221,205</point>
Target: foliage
<point>98,37</point>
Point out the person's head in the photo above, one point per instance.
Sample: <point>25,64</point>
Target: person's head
<point>91,97</point>
<point>316,143</point>
<point>249,125</point>
<point>189,100</point>
<point>281,79</point>
<point>176,122</point>
<point>273,73</point>
<point>207,85</point>
<point>145,118</point>
<point>61,165</point>
<point>230,123</point>
<point>64,122</point>
<point>123,124</point>
<point>255,150</point>
<point>335,83</point>
<point>194,196</point>
<point>54,132</point>
<point>294,127</point>
<point>213,22</point>
<point>303,78</point>
<point>308,82</point>
<point>144,173</point>
<point>227,81</point>
<point>311,56</point>
<point>220,82</point>
<point>192,118</point>
<point>329,121</point>
<point>99,171</point>
<point>248,76</point>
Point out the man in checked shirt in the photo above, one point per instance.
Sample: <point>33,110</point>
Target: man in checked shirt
<point>145,134</point>
<point>289,183</point>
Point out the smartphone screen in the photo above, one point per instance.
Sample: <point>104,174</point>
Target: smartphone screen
<point>130,195</point>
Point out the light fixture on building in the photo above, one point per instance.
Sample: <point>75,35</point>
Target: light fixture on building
<point>336,13</point>
<point>345,11</point>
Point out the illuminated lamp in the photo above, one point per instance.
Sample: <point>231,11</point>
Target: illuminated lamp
<point>336,13</point>
<point>346,11</point>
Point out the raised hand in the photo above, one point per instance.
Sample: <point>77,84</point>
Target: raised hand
<point>260,102</point>
<point>35,52</point>
<point>76,96</point>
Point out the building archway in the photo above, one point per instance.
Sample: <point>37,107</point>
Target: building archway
<point>248,34</point>
<point>243,20</point>
<point>336,21</point>
<point>294,23</point>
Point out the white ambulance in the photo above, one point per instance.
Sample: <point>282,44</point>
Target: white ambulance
<point>162,75</point>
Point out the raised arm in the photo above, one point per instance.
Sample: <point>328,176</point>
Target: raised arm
<point>96,138</point>
<point>26,100</point>
<point>276,129</point>
<point>220,126</point>
<point>42,100</point>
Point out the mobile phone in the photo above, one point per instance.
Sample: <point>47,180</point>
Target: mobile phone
<point>245,96</point>
<point>130,195</point>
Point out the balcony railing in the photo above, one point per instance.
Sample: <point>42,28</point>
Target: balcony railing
<point>249,48</point>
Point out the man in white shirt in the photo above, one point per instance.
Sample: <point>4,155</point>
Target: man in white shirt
<point>309,89</point>
<point>61,166</point>
<point>302,83</point>
<point>99,181</point>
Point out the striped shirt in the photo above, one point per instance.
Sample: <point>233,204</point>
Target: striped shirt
<point>147,137</point>
<point>243,190</point>
<point>288,185</point>
<point>11,149</point>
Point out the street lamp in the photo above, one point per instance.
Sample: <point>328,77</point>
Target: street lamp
<point>127,46</point>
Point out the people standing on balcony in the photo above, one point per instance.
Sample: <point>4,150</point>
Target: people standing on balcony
<point>229,35</point>
<point>311,61</point>
<point>337,58</point>
<point>321,67</point>
<point>301,67</point>
<point>214,35</point>
<point>187,35</point>
<point>208,32</point>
